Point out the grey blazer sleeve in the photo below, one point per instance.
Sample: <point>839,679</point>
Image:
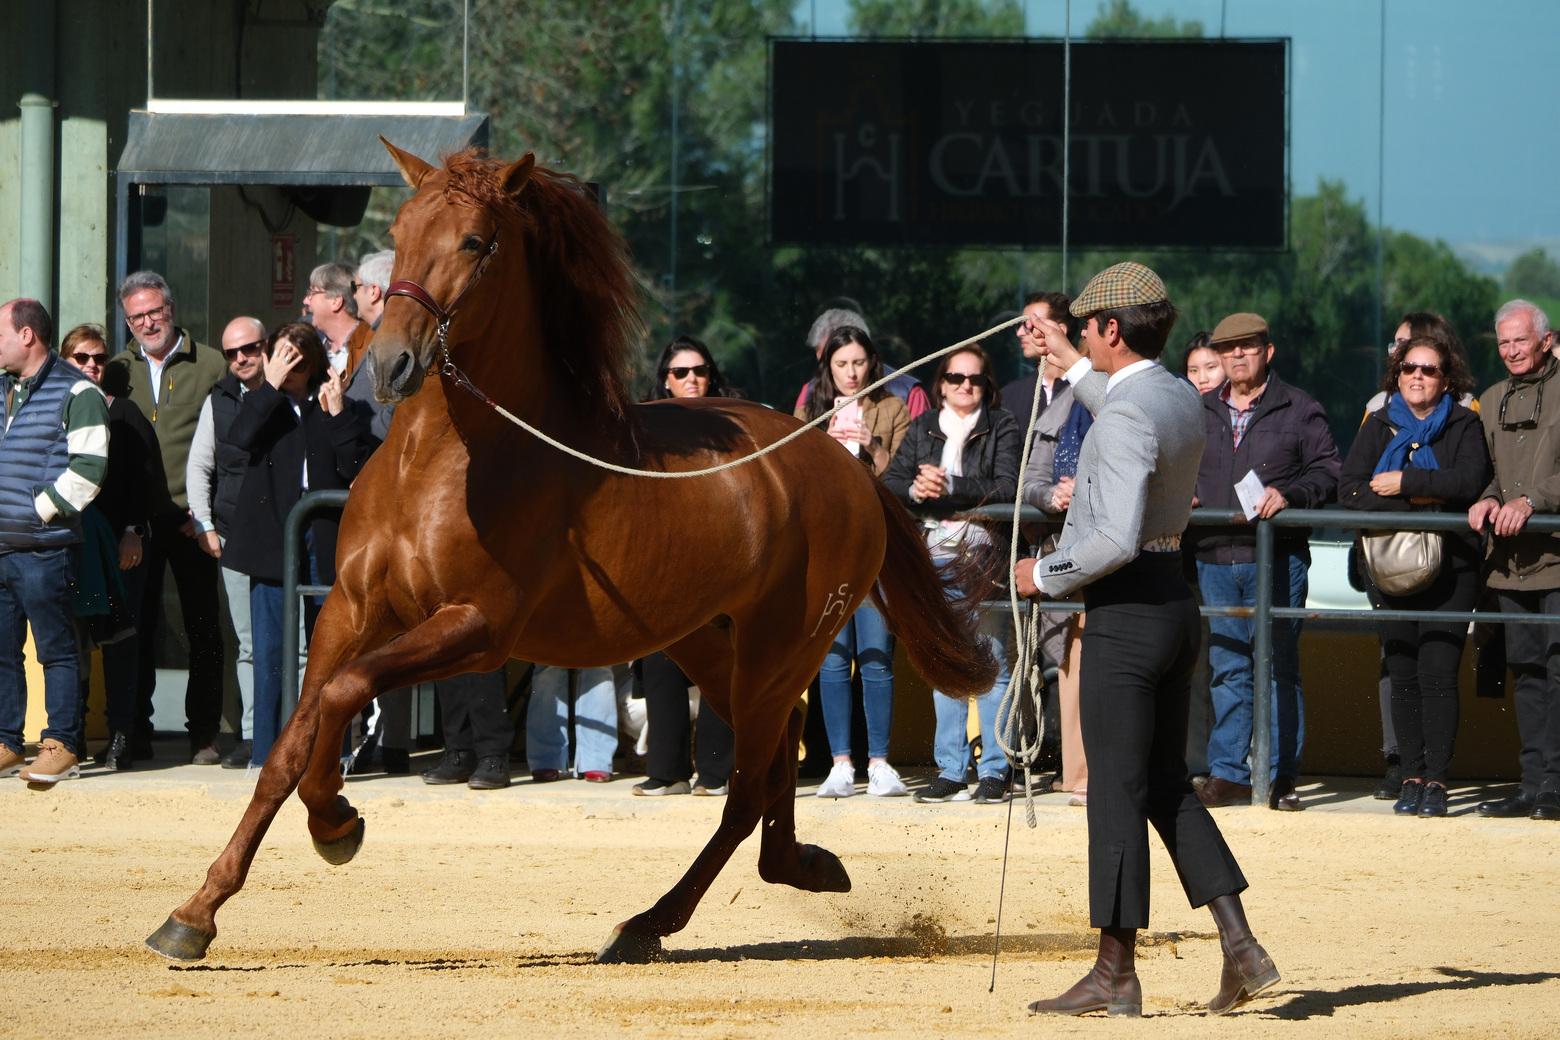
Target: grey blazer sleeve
<point>1038,474</point>
<point>1108,532</point>
<point>1090,390</point>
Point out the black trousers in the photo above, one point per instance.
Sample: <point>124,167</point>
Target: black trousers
<point>474,711</point>
<point>1533,653</point>
<point>1422,659</point>
<point>1139,649</point>
<point>665,689</point>
<point>196,577</point>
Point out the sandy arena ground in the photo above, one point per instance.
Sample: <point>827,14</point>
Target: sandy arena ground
<point>473,914</point>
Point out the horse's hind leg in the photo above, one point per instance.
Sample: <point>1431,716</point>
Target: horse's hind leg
<point>759,723</point>
<point>190,929</point>
<point>454,640</point>
<point>782,860</point>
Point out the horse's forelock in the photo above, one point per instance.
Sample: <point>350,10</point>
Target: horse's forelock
<point>580,268</point>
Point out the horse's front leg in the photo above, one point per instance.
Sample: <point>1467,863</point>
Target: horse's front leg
<point>452,641</point>
<point>190,929</point>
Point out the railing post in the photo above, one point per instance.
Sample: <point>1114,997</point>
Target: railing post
<point>292,538</point>
<point>1262,669</point>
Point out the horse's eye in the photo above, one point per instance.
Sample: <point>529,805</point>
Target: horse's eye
<point>471,243</point>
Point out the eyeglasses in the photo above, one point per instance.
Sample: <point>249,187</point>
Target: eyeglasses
<point>314,290</point>
<point>84,357</point>
<point>1529,399</point>
<point>684,371</point>
<point>146,317</point>
<point>246,349</point>
<point>1408,368</point>
<point>959,378</point>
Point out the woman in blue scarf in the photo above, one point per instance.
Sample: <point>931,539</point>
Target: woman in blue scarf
<point>1423,451</point>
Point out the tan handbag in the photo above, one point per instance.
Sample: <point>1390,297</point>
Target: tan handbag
<point>1401,562</point>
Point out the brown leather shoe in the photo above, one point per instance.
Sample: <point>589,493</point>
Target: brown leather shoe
<point>1219,792</point>
<point>1111,986</point>
<point>1282,796</point>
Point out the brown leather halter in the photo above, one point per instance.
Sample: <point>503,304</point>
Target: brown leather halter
<point>443,315</point>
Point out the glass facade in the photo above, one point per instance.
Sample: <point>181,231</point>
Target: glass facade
<point>1412,179</point>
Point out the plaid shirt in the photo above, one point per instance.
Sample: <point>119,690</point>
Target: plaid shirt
<point>1240,418</point>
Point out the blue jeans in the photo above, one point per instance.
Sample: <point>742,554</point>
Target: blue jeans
<point>37,587</point>
<point>595,720</point>
<point>1230,667</point>
<point>265,627</point>
<point>951,744</point>
<point>865,638</point>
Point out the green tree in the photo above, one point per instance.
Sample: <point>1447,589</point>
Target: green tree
<point>939,18</point>
<point>1119,20</point>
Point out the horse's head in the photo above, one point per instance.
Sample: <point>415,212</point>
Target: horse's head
<point>445,241</point>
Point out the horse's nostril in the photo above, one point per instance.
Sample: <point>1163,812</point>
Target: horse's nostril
<point>398,372</point>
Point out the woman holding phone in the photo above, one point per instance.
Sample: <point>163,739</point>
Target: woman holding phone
<point>870,428</point>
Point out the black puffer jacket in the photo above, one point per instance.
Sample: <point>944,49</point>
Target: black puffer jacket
<point>990,459</point>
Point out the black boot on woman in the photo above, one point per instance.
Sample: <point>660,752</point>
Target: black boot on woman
<point>1248,970</point>
<point>1410,797</point>
<point>1112,986</point>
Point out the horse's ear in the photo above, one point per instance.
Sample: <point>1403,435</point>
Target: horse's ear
<point>413,169</point>
<point>517,174</point>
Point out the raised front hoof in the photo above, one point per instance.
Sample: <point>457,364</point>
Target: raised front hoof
<point>342,849</point>
<point>180,942</point>
<point>629,947</point>
<point>822,871</point>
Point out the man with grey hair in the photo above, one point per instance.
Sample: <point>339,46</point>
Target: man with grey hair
<point>373,282</point>
<point>831,321</point>
<point>168,375</point>
<point>331,305</point>
<point>1524,568</point>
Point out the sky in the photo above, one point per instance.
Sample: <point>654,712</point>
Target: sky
<point>1471,152</point>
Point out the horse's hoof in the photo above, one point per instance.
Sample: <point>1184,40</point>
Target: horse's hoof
<point>822,871</point>
<point>180,942</point>
<point>627,947</point>
<point>343,848</point>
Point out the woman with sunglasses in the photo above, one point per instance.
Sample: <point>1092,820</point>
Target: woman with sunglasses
<point>1423,451</point>
<point>963,453</point>
<point>122,506</point>
<point>298,432</point>
<point>871,428</point>
<point>686,369</point>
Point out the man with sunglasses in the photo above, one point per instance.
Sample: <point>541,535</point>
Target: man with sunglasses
<point>215,473</point>
<point>168,375</point>
<point>1257,424</point>
<point>1521,416</point>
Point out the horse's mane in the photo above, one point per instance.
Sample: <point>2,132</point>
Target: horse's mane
<point>580,270</point>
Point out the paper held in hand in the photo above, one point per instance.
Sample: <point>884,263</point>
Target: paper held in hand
<point>1249,491</point>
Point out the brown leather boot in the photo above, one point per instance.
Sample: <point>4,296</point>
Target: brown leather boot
<point>1248,970</point>
<point>1111,986</point>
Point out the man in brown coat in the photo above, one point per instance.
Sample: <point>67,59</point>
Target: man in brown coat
<point>1521,416</point>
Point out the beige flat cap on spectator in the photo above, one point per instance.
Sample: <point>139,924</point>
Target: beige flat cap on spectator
<point>1126,284</point>
<point>1244,325</point>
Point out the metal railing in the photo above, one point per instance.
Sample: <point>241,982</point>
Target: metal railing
<point>1263,610</point>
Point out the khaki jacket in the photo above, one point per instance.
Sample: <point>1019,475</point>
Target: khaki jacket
<point>888,420</point>
<point>1527,462</point>
<point>192,369</point>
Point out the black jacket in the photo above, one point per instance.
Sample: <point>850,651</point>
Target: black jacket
<point>990,459</point>
<point>1289,446</point>
<point>1465,470</point>
<point>278,444</point>
<point>229,461</point>
<point>134,468</point>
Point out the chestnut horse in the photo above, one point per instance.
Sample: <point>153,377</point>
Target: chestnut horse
<point>467,542</point>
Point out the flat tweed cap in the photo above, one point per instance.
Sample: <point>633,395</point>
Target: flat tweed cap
<point>1126,284</point>
<point>1244,325</point>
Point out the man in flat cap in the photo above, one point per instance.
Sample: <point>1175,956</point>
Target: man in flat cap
<point>1264,431</point>
<point>1121,545</point>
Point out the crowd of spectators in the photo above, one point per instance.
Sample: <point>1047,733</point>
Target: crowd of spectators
<point>174,457</point>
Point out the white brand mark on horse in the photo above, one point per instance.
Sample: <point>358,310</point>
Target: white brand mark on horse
<point>835,604</point>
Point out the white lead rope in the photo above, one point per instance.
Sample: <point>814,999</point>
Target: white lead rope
<point>629,471</point>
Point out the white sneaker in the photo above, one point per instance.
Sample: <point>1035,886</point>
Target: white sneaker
<point>884,782</point>
<point>840,783</point>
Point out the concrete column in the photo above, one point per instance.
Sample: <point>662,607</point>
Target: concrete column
<point>37,230</point>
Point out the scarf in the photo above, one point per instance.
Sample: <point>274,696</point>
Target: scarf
<point>1414,435</point>
<point>1069,442</point>
<point>946,536</point>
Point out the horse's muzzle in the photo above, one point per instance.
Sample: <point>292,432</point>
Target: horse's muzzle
<point>399,379</point>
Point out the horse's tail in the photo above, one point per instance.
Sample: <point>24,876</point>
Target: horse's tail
<point>936,613</point>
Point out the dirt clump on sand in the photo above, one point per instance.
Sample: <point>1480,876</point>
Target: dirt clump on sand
<point>480,913</point>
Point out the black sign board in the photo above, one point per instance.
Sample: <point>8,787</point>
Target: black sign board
<point>1173,143</point>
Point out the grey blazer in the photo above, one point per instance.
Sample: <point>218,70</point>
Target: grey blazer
<point>1136,476</point>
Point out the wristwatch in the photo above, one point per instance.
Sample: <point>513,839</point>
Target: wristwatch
<point>1529,500</point>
